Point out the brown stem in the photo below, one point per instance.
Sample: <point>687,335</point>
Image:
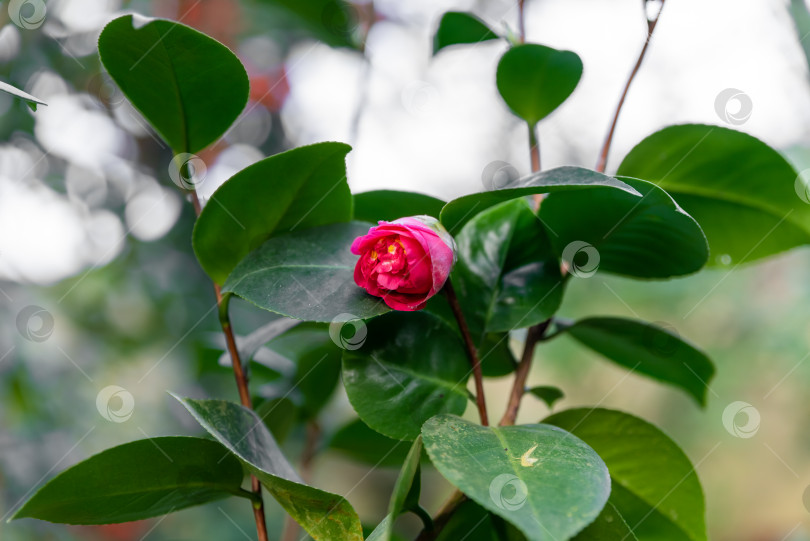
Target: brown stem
<point>242,386</point>
<point>534,334</point>
<point>443,516</point>
<point>601,164</point>
<point>522,20</point>
<point>472,353</point>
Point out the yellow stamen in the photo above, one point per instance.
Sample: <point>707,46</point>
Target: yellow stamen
<point>374,255</point>
<point>392,249</point>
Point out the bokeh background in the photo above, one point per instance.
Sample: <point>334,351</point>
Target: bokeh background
<point>94,235</point>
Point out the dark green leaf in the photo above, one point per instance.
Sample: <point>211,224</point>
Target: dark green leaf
<point>331,21</point>
<point>647,349</point>
<point>608,526</point>
<point>411,367</point>
<point>654,482</point>
<point>458,27</point>
<point>307,275</point>
<point>470,522</point>
<point>459,211</point>
<point>547,394</point>
<point>137,480</point>
<point>531,475</point>
<point>534,79</point>
<point>14,91</point>
<point>187,85</point>
<point>507,275</point>
<point>302,188</point>
<point>323,515</point>
<point>363,444</point>
<point>389,205</point>
<point>747,198</point>
<point>650,237</point>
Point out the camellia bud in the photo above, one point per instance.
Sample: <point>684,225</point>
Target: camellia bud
<point>405,262</point>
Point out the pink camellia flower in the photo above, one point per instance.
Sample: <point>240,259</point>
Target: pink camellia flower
<point>405,262</point>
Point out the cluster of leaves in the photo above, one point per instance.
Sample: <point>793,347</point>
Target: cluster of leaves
<point>277,234</point>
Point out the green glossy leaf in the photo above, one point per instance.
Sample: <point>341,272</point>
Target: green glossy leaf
<point>459,211</point>
<point>411,367</point>
<point>137,480</point>
<point>330,21</point>
<point>649,350</point>
<point>28,98</point>
<point>546,481</point>
<point>534,80</point>
<point>608,526</point>
<point>650,237</point>
<point>306,275</point>
<point>507,275</point>
<point>359,442</point>
<point>188,86</point>
<point>405,495</point>
<point>653,481</point>
<point>322,515</point>
<point>302,188</point>
<point>389,205</point>
<point>547,394</point>
<point>471,522</point>
<point>458,27</point>
<point>745,195</point>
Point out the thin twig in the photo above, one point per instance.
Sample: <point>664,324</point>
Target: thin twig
<point>534,334</point>
<point>601,164</point>
<point>472,353</point>
<point>522,20</point>
<point>241,384</point>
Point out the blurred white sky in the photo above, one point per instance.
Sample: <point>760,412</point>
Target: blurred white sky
<point>426,124</point>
